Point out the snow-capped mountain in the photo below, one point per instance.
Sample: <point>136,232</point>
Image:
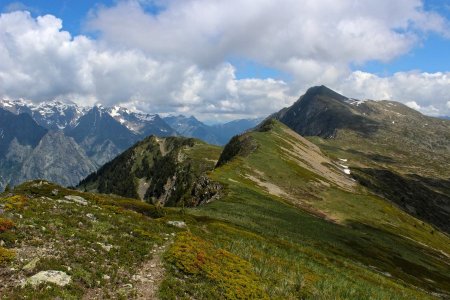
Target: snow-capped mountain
<point>54,115</point>
<point>94,135</point>
<point>58,115</point>
<point>34,137</point>
<point>141,124</point>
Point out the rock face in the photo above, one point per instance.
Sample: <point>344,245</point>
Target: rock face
<point>53,115</point>
<point>55,277</point>
<point>56,158</point>
<point>19,134</point>
<point>101,136</point>
<point>92,137</point>
<point>141,123</point>
<point>179,224</point>
<point>20,127</point>
<point>205,190</point>
<point>76,199</point>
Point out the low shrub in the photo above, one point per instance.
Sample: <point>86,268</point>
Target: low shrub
<point>6,255</point>
<point>5,225</point>
<point>16,202</point>
<point>232,277</point>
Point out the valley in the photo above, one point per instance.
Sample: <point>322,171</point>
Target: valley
<point>64,142</point>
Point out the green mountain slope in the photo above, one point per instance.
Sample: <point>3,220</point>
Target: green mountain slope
<point>309,230</point>
<point>392,149</point>
<point>168,171</point>
<point>290,223</point>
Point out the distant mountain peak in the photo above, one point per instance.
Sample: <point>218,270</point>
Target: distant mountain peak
<point>322,90</point>
<point>322,111</point>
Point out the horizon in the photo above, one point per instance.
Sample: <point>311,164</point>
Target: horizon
<point>208,122</point>
<point>100,105</point>
<point>140,55</point>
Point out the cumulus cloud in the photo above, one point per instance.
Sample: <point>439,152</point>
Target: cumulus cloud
<point>425,92</point>
<point>40,61</point>
<point>270,32</point>
<point>176,60</point>
<point>413,105</point>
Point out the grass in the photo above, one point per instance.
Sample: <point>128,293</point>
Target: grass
<point>374,250</point>
<point>222,274</point>
<point>110,236</point>
<point>316,240</point>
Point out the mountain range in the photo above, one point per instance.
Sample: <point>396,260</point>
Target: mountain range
<point>354,207</point>
<point>389,148</point>
<point>89,136</point>
<point>217,134</point>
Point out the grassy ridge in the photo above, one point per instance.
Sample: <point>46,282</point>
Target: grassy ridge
<point>372,250</point>
<point>285,227</point>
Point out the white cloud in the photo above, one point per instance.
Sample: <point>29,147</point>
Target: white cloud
<point>426,92</point>
<point>176,61</point>
<point>269,32</point>
<point>413,105</point>
<point>39,61</point>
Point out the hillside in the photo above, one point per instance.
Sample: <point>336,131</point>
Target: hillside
<point>169,171</point>
<point>392,149</point>
<point>297,227</point>
<point>60,243</point>
<point>314,231</point>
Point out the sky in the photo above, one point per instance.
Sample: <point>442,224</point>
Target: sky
<point>223,60</point>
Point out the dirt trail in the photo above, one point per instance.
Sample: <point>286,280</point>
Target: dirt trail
<point>145,283</point>
<point>150,275</point>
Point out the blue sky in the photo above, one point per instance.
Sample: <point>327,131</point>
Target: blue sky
<point>228,59</point>
<point>72,12</point>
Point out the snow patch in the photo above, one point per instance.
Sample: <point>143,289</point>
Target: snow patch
<point>145,117</point>
<point>345,169</point>
<point>356,102</point>
<point>115,111</point>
